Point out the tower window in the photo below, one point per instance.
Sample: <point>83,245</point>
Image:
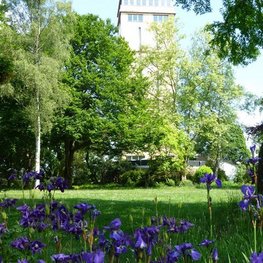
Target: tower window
<point>135,18</point>
<point>160,18</point>
<point>156,2</point>
<point>126,2</point>
<point>150,2</point>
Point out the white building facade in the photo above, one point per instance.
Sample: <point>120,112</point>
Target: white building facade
<point>135,17</point>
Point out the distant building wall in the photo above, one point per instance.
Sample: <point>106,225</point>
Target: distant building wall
<point>135,17</point>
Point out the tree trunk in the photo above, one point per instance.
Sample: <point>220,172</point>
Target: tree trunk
<point>38,119</point>
<point>69,156</point>
<point>260,171</point>
<point>38,148</point>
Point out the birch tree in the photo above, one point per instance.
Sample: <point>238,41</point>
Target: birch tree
<point>42,48</point>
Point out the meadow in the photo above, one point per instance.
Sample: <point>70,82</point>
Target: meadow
<point>232,229</point>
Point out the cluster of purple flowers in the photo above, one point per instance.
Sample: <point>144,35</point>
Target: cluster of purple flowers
<point>176,227</point>
<point>111,241</point>
<point>8,203</point>
<point>54,183</point>
<point>23,243</point>
<point>84,257</point>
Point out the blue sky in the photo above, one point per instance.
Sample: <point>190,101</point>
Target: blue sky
<point>250,77</point>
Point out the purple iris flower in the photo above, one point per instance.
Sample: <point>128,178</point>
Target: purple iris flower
<point>27,177</point>
<point>139,242</point>
<point>84,207</point>
<point>36,246</point>
<point>41,261</point>
<point>61,184</point>
<point>174,227</point>
<point>61,258</point>
<point>215,257</point>
<point>114,224</point>
<point>21,243</point>
<point>184,226</point>
<point>8,203</point>
<point>94,257</point>
<point>253,160</point>
<point>22,261</point>
<point>12,177</point>
<point>206,242</point>
<point>23,208</point>
<point>248,195</point>
<point>3,228</point>
<point>208,179</point>
<point>173,256</point>
<point>146,238</point>
<point>186,249</point>
<point>95,213</point>
<point>253,149</point>
<point>256,258</point>
<point>248,191</point>
<point>41,187</point>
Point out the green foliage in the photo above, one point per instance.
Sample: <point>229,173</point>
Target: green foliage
<point>239,36</point>
<point>221,175</point>
<point>6,69</point>
<point>200,173</point>
<point>133,178</point>
<point>208,99</point>
<point>106,95</point>
<point>39,47</point>
<point>170,182</point>
<point>241,175</point>
<point>199,7</point>
<point>186,183</point>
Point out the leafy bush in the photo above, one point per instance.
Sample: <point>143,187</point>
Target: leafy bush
<point>161,169</point>
<point>133,177</point>
<point>170,182</point>
<point>241,174</point>
<point>200,173</point>
<point>222,175</point>
<point>186,183</point>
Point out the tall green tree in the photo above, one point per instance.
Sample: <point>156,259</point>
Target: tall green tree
<point>42,48</point>
<point>208,100</point>
<point>163,63</point>
<point>105,92</point>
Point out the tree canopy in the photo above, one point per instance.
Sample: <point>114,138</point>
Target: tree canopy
<point>240,35</point>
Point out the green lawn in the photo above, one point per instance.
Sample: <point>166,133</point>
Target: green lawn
<point>232,230</point>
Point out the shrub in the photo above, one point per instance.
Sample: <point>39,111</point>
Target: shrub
<point>241,174</point>
<point>133,177</point>
<point>170,182</point>
<point>200,173</point>
<point>222,175</point>
<point>186,183</point>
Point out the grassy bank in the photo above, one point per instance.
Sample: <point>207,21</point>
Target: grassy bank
<point>233,232</point>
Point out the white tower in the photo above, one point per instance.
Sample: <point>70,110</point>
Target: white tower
<point>135,17</point>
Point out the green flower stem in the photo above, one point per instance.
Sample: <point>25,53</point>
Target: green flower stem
<point>255,235</point>
<point>209,203</point>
